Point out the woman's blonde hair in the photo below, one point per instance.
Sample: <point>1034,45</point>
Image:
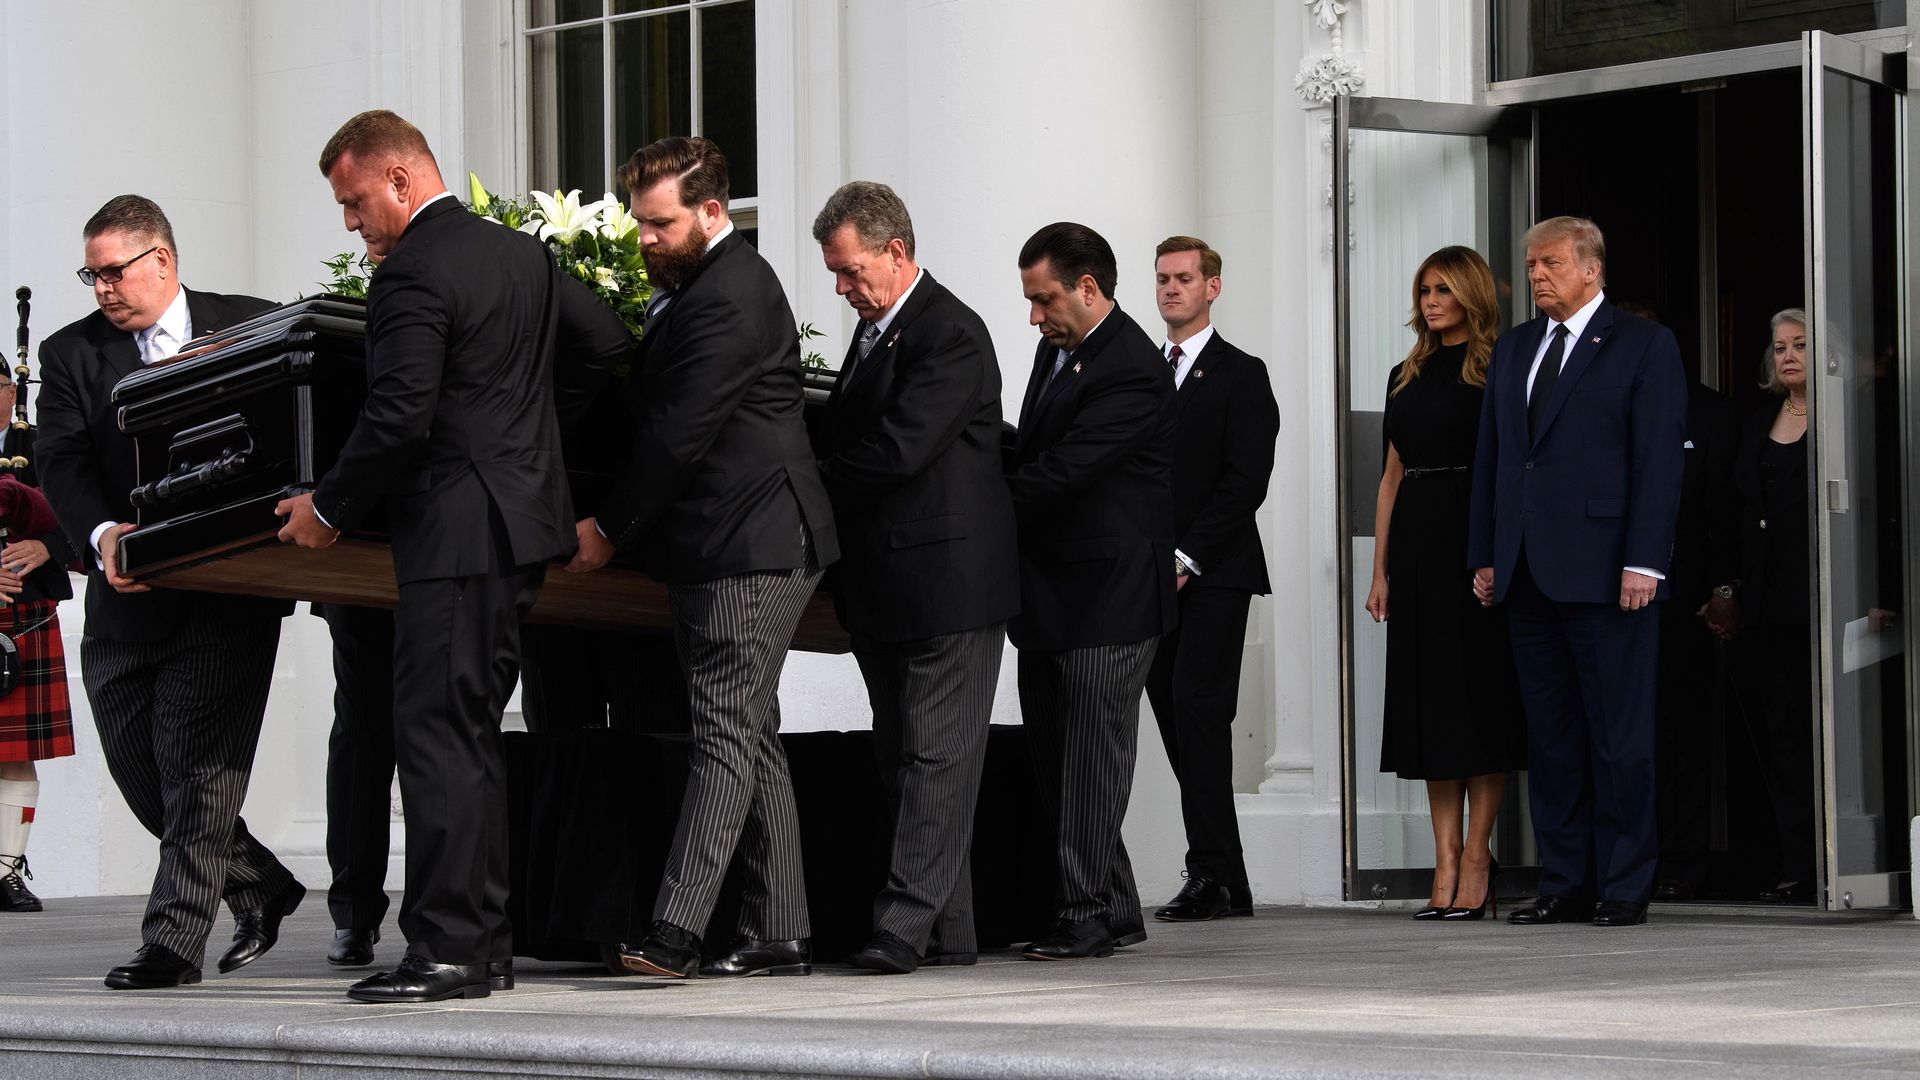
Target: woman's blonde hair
<point>1468,277</point>
<point>1769,375</point>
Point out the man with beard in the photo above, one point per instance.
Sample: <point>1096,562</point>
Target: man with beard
<point>178,681</point>
<point>459,434</point>
<point>722,502</point>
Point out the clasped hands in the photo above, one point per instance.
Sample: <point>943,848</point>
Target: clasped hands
<point>1636,589</point>
<point>20,558</point>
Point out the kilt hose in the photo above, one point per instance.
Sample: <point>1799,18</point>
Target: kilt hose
<point>36,719</point>
<point>179,720</point>
<point>1081,709</point>
<point>732,636</point>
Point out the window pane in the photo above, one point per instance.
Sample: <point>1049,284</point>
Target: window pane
<point>651,89</point>
<point>1546,37</point>
<point>621,7</point>
<point>548,12</point>
<point>726,91</point>
<point>567,112</point>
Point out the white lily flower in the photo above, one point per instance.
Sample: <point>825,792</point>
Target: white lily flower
<point>563,217</point>
<point>603,276</point>
<point>616,223</point>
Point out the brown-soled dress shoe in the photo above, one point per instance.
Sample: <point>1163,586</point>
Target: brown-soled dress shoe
<point>1552,909</point>
<point>258,929</point>
<point>1070,940</point>
<point>152,968</point>
<point>752,956</point>
<point>352,948</point>
<point>666,950</point>
<point>418,979</point>
<point>1619,913</point>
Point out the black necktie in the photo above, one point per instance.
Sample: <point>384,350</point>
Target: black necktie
<point>1544,379</point>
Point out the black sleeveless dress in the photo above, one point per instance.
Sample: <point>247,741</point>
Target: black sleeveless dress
<point>1452,706</point>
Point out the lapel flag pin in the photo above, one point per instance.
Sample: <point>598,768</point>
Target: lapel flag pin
<point>1076,367</point>
<point>1596,339</point>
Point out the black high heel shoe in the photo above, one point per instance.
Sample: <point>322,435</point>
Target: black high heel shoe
<point>1431,911</point>
<point>1490,904</point>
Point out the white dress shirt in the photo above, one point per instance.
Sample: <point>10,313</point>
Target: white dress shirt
<point>1190,350</point>
<point>158,342</point>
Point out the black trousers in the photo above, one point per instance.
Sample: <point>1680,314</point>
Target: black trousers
<point>1194,687</point>
<point>179,720</point>
<point>1081,709</point>
<point>932,704</point>
<point>1688,682</point>
<point>1780,712</point>
<point>359,765</point>
<point>456,657</point>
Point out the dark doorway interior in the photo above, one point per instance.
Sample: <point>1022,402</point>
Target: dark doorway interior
<point>1699,192</point>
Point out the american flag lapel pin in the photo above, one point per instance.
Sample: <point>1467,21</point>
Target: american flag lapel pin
<point>895,339</point>
<point>1076,367</point>
<point>1596,339</point>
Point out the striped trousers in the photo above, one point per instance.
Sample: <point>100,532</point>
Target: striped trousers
<point>179,720</point>
<point>932,703</point>
<point>732,636</point>
<point>1081,708</point>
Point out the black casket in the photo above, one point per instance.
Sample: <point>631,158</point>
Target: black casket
<point>246,416</point>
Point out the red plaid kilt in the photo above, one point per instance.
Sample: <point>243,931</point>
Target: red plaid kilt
<point>36,720</point>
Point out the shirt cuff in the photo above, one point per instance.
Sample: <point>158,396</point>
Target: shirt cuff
<point>1654,574</point>
<point>94,540</point>
<point>322,518</point>
<point>1187,562</point>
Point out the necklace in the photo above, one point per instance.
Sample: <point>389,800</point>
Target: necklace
<point>1791,411</point>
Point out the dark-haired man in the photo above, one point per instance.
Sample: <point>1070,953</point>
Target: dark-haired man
<point>928,580</point>
<point>721,500</point>
<point>1222,458</point>
<point>460,436</point>
<point>1092,491</point>
<point>178,681</point>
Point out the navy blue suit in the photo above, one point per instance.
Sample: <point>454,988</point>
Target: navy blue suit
<point>1559,515</point>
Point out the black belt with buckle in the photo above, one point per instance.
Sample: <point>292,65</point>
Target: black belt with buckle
<point>1429,470</point>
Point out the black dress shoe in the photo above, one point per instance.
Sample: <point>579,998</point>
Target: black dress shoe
<point>1619,913</point>
<point>1131,932</point>
<point>152,968</point>
<point>1789,892</point>
<point>1551,909</point>
<point>500,975</point>
<point>1201,899</point>
<point>751,956</point>
<point>256,930</point>
<point>886,954</point>
<point>1073,941</point>
<point>1672,890</point>
<point>950,959</point>
<point>667,950</point>
<point>352,948</point>
<point>14,894</point>
<point>418,979</point>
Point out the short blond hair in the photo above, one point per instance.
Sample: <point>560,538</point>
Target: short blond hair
<point>1589,246</point>
<point>376,132</point>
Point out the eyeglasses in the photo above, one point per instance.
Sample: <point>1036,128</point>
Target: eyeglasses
<point>111,274</point>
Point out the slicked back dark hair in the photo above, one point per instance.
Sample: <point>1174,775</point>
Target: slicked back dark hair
<point>135,215</point>
<point>1074,251</point>
<point>876,213</point>
<point>698,164</point>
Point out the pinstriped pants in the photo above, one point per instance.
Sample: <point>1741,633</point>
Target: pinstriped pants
<point>932,703</point>
<point>732,636</point>
<point>1081,708</point>
<point>179,720</point>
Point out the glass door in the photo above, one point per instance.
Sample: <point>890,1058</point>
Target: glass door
<point>1412,177</point>
<point>1853,110</point>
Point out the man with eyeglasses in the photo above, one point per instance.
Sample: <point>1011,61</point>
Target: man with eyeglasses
<point>178,681</point>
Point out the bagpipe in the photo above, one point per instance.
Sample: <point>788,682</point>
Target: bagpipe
<point>20,432</point>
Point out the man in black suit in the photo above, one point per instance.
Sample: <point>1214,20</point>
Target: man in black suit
<point>459,434</point>
<point>1222,458</point>
<point>722,501</point>
<point>1092,492</point>
<point>1576,483</point>
<point>178,681</point>
<point>927,580</point>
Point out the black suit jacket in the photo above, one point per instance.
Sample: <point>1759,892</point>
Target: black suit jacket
<point>87,466</point>
<point>1706,540</point>
<point>722,478</point>
<point>1092,489</point>
<point>464,321</point>
<point>925,523</point>
<point>1222,459</point>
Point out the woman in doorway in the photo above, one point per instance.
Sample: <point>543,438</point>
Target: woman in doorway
<point>1452,715</point>
<point>1773,605</point>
